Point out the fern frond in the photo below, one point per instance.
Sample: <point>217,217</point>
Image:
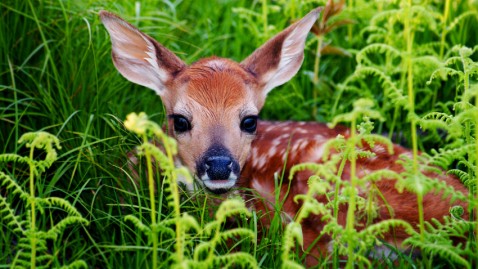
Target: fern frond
<point>63,204</point>
<point>381,18</point>
<point>362,56</point>
<point>377,34</point>
<point>424,65</point>
<point>371,139</point>
<point>10,157</point>
<point>444,157</point>
<point>462,175</point>
<point>242,232</point>
<point>231,207</point>
<point>446,252</point>
<point>443,73</point>
<point>378,229</point>
<point>11,184</point>
<point>422,183</point>
<point>292,234</point>
<point>139,224</point>
<point>75,265</point>
<point>190,222</point>
<point>444,118</point>
<point>232,260</point>
<point>25,244</point>
<point>380,175</point>
<point>9,217</point>
<point>42,140</point>
<point>457,21</point>
<point>313,167</point>
<point>163,227</point>
<point>291,264</point>
<point>390,89</point>
<point>429,48</point>
<point>158,155</point>
<point>60,226</point>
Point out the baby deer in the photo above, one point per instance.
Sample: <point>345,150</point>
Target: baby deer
<point>213,107</point>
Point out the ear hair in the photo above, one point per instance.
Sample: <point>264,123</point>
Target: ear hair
<point>279,59</point>
<point>138,57</point>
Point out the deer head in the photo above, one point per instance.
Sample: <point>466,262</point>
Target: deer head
<point>212,104</point>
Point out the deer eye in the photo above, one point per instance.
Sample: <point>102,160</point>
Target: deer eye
<point>249,124</point>
<point>181,124</point>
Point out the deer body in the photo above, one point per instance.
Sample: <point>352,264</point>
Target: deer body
<point>213,106</point>
<point>280,145</point>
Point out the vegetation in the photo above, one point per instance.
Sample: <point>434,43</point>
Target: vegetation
<point>409,68</point>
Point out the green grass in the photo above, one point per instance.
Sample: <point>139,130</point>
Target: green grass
<point>56,75</point>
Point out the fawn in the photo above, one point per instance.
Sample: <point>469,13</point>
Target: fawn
<point>213,106</point>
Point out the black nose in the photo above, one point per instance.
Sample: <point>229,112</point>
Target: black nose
<point>219,167</point>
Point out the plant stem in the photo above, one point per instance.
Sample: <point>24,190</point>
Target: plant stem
<point>349,26</point>
<point>409,36</point>
<point>352,203</point>
<point>152,199</point>
<point>476,168</point>
<point>175,193</point>
<point>264,19</point>
<point>33,209</point>
<point>468,137</point>
<point>336,201</point>
<point>315,79</point>
<point>443,33</point>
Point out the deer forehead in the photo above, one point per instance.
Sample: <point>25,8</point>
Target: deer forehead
<point>216,88</point>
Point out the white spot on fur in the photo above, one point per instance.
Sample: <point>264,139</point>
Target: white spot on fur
<point>318,152</point>
<point>301,131</point>
<point>263,190</point>
<point>379,148</point>
<point>261,161</point>
<point>272,152</point>
<point>283,137</point>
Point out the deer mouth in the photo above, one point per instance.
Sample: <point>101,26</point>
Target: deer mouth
<point>219,186</point>
<point>218,170</point>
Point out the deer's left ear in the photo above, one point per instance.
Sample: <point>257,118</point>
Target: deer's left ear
<point>279,59</point>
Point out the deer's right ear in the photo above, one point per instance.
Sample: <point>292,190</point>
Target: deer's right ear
<point>279,59</point>
<point>138,57</point>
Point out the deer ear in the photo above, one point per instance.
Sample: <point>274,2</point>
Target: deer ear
<point>138,57</point>
<point>279,59</point>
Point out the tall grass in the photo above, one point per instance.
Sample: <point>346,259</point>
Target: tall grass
<point>416,60</point>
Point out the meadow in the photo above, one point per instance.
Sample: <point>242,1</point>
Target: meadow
<point>67,198</point>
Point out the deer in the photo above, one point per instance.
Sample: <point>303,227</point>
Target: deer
<point>213,107</point>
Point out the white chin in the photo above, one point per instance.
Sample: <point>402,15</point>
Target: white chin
<point>219,185</point>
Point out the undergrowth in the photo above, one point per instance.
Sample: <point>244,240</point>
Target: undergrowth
<point>31,249</point>
<point>404,69</point>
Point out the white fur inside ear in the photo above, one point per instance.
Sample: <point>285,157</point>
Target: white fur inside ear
<point>135,55</point>
<point>292,52</point>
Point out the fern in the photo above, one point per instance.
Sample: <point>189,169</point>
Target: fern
<point>12,185</point>
<point>32,244</point>
<point>293,233</point>
<point>75,265</point>
<point>439,240</point>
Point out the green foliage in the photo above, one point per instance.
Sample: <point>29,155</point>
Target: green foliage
<point>32,250</point>
<point>439,241</point>
<point>355,242</point>
<point>416,60</point>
